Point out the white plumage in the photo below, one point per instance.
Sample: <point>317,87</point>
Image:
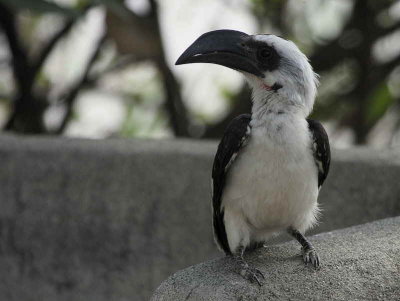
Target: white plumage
<point>273,184</point>
<point>269,166</point>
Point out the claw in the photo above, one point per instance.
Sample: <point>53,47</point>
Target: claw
<point>254,275</point>
<point>311,256</point>
<point>251,274</point>
<point>259,273</point>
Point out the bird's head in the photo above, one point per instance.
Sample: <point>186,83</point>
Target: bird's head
<point>274,67</point>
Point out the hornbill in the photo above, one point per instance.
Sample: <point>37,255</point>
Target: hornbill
<point>270,164</point>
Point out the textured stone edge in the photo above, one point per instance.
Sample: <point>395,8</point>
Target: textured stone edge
<point>358,263</point>
<point>186,146</point>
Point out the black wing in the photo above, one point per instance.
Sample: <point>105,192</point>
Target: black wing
<point>234,138</point>
<point>321,149</point>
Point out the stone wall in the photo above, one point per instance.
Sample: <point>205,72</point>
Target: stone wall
<point>111,219</point>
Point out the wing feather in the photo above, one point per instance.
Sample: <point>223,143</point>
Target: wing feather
<point>235,137</point>
<point>321,149</point>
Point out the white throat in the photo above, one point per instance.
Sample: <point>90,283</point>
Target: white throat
<point>268,105</point>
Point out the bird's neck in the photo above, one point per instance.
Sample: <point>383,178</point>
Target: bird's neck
<point>279,120</point>
<point>267,106</point>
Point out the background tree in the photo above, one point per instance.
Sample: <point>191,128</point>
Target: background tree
<point>359,65</point>
<point>361,101</point>
<point>28,105</point>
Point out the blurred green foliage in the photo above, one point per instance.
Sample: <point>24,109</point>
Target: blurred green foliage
<point>40,7</point>
<point>354,92</point>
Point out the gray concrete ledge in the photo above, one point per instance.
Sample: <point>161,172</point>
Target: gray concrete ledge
<point>358,263</point>
<point>111,219</point>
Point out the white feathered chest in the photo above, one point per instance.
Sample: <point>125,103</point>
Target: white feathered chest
<point>274,173</point>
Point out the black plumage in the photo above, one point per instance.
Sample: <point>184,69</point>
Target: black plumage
<point>234,138</point>
<point>321,149</point>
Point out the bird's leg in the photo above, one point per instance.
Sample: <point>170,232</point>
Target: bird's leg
<point>247,272</point>
<point>309,253</point>
<point>255,245</point>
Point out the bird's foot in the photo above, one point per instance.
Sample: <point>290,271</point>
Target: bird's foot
<point>311,256</point>
<point>251,274</point>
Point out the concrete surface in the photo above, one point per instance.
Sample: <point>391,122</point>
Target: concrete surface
<point>358,263</point>
<point>108,220</point>
<point>100,220</point>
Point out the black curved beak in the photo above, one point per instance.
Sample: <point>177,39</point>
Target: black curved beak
<point>223,47</point>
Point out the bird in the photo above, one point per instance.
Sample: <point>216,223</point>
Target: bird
<point>270,164</point>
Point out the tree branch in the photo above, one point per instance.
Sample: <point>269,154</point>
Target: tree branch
<point>383,31</point>
<point>153,8</point>
<point>50,45</point>
<point>388,67</point>
<point>47,49</point>
<point>20,63</point>
<point>174,104</point>
<point>120,64</point>
<point>74,91</point>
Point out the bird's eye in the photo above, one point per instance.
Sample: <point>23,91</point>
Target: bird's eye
<point>265,53</point>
